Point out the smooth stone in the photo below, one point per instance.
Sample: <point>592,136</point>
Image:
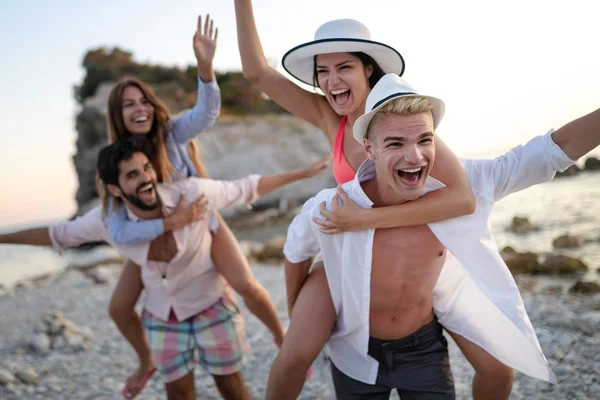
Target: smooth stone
<point>27,374</point>
<point>40,343</point>
<point>6,377</point>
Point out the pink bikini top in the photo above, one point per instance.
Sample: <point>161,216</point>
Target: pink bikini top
<point>342,171</point>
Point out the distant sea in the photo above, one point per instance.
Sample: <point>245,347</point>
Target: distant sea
<point>565,205</point>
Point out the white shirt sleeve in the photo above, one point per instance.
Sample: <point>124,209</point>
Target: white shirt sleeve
<point>223,194</point>
<point>302,240</point>
<point>84,229</point>
<point>523,166</point>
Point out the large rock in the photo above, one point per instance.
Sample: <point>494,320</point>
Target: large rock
<point>561,264</point>
<point>585,287</point>
<point>522,225</point>
<point>520,263</point>
<point>267,145</point>
<point>592,164</point>
<point>567,241</point>
<point>572,170</point>
<point>92,136</point>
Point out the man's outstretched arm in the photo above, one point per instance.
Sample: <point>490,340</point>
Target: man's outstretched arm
<point>579,136</point>
<point>84,229</point>
<point>36,237</point>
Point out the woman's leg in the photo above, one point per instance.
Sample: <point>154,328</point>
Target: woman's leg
<point>493,380</point>
<point>311,323</point>
<point>232,264</point>
<point>121,310</point>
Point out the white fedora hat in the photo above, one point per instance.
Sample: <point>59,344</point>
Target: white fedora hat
<point>390,87</point>
<point>340,36</point>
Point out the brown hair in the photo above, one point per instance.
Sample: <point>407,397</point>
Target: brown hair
<point>365,59</point>
<point>158,133</point>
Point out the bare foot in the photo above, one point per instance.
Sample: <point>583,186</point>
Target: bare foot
<point>136,382</point>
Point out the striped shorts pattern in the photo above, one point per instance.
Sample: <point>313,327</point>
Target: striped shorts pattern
<point>214,338</point>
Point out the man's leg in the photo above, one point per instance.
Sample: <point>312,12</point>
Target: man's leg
<point>311,323</point>
<point>232,264</point>
<point>121,310</point>
<point>347,388</point>
<point>219,337</point>
<point>232,387</point>
<point>493,380</point>
<point>419,364</point>
<point>182,389</point>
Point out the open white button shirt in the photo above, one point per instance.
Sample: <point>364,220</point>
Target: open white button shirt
<point>475,296</point>
<point>193,282</point>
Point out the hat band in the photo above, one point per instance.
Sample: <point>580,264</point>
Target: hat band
<point>390,97</point>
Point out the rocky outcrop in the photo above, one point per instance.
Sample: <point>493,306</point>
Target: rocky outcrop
<point>92,135</point>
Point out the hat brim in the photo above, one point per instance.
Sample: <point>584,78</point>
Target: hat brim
<point>359,130</point>
<point>299,61</point>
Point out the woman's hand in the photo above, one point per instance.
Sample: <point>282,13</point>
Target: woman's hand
<point>317,167</point>
<point>345,215</point>
<point>186,214</point>
<point>205,45</point>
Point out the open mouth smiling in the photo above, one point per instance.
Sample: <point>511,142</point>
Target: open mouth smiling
<point>411,176</point>
<point>139,120</point>
<point>340,96</point>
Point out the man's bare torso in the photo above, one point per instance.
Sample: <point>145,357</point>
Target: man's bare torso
<point>163,248</point>
<point>406,265</point>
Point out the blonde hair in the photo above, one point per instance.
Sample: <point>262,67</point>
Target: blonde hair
<point>405,105</point>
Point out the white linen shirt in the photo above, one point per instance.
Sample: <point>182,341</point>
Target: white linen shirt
<point>475,296</point>
<point>193,282</point>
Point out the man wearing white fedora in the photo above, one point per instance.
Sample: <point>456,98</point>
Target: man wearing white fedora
<point>392,289</point>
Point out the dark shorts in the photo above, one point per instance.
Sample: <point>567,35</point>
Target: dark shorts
<point>418,366</point>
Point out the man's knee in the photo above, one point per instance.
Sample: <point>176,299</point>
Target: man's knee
<point>117,312</point>
<point>181,389</point>
<point>232,386</point>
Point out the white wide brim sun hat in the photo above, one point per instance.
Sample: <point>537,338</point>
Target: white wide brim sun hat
<point>340,36</point>
<point>391,87</point>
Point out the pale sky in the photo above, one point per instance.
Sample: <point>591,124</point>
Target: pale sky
<point>507,70</point>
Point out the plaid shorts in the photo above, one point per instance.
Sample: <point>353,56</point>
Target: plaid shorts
<point>214,338</point>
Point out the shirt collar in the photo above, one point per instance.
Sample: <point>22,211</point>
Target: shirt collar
<point>365,172</point>
<point>166,197</point>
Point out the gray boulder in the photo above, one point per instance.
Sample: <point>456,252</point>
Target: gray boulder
<point>521,225</point>
<point>572,170</point>
<point>561,264</point>
<point>592,164</point>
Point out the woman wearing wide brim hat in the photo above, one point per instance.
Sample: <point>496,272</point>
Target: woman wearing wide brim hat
<point>344,63</point>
